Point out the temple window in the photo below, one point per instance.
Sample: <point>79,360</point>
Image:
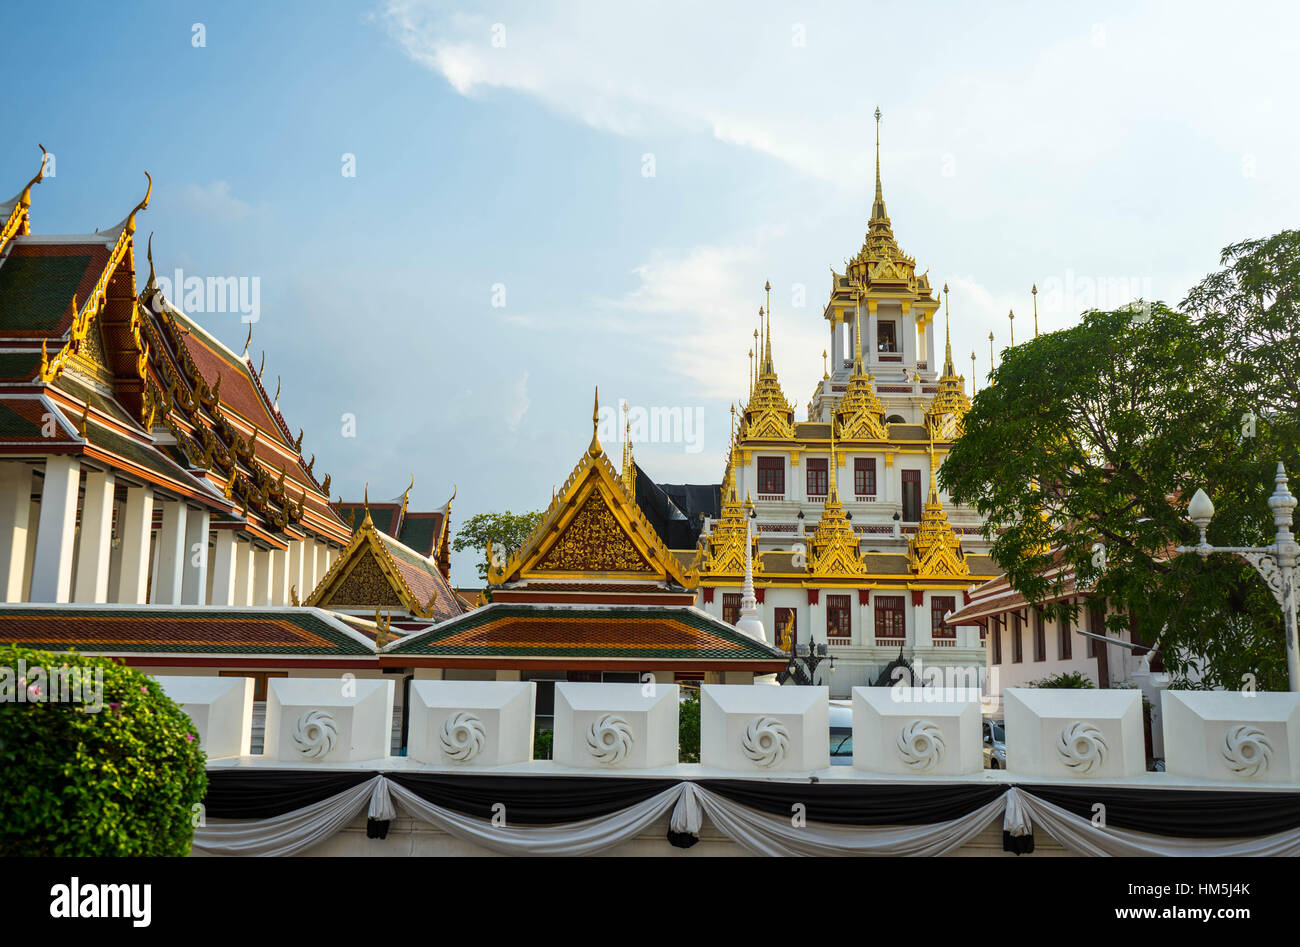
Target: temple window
<point>864,477</point>
<point>886,340</point>
<point>817,476</point>
<point>996,631</point>
<point>838,620</point>
<point>941,605</point>
<point>1017,646</point>
<point>912,496</point>
<point>890,623</point>
<point>731,607</point>
<point>771,476</point>
<point>1040,636</point>
<point>1063,648</point>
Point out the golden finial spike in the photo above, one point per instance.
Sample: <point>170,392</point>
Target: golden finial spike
<point>248,341</point>
<point>751,373</point>
<point>594,449</point>
<point>1034,292</point>
<point>878,208</point>
<point>1011,317</point>
<point>991,364</point>
<point>825,373</point>
<point>973,388</point>
<point>26,197</point>
<point>365,502</point>
<point>277,392</point>
<point>130,220</point>
<point>152,282</point>
<point>948,368</point>
<point>261,369</point>
<point>832,494</point>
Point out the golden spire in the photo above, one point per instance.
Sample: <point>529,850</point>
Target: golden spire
<point>751,373</point>
<point>767,289</point>
<point>991,363</point>
<point>1011,317</point>
<point>973,389</point>
<point>878,206</point>
<point>1034,292</point>
<point>629,465</point>
<point>857,334</point>
<point>948,368</point>
<point>152,282</point>
<point>25,198</point>
<point>130,220</point>
<point>248,341</point>
<point>832,494</point>
<point>594,449</point>
<point>825,373</point>
<point>365,502</point>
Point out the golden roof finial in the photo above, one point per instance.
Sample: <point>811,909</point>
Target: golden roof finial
<point>261,368</point>
<point>934,487</point>
<point>365,502</point>
<point>1034,292</point>
<point>26,197</point>
<point>832,494</point>
<point>857,334</point>
<point>629,465</point>
<point>991,363</point>
<point>751,372</point>
<point>130,219</point>
<point>248,341</point>
<point>594,449</point>
<point>1011,317</point>
<point>947,337</point>
<point>152,282</point>
<point>277,393</point>
<point>825,373</point>
<point>973,389</point>
<point>878,208</point>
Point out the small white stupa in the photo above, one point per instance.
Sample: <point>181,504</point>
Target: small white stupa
<point>749,623</point>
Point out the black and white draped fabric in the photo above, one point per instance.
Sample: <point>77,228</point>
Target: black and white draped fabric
<point>261,812</point>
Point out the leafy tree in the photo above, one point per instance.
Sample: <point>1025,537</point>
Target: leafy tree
<point>1072,680</point>
<point>688,726</point>
<point>110,772</point>
<point>505,531</point>
<point>1089,443</point>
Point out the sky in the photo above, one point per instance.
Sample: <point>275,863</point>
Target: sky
<point>461,219</point>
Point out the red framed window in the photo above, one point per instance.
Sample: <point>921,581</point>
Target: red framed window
<point>817,476</point>
<point>1097,625</point>
<point>890,624</point>
<point>1063,641</point>
<point>912,496</point>
<point>995,629</point>
<point>1017,645</point>
<point>1040,636</point>
<point>941,605</point>
<point>864,476</point>
<point>771,476</point>
<point>839,620</point>
<point>731,607</point>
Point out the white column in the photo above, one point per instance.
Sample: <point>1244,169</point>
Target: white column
<point>869,344</point>
<point>33,520</point>
<point>52,567</point>
<point>262,576</point>
<point>134,532</point>
<point>244,573</point>
<point>171,555</point>
<point>95,545</point>
<point>836,335</point>
<point>280,577</point>
<point>224,567</point>
<point>930,335</point>
<point>922,638</point>
<point>15,517</point>
<point>296,571</point>
<point>194,584</point>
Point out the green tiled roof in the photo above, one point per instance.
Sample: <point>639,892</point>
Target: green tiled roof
<point>419,532</point>
<point>35,290</point>
<point>19,365</point>
<point>111,629</point>
<point>12,424</point>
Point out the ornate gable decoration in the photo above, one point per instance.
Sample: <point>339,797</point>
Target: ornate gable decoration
<point>860,414</point>
<point>935,551</point>
<point>946,413</point>
<point>835,545</point>
<point>723,552</point>
<point>365,577</point>
<point>768,416</point>
<point>593,526</point>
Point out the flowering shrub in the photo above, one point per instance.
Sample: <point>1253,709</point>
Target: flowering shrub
<point>111,771</point>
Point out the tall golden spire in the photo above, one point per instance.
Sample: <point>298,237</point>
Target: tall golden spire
<point>991,364</point>
<point>1034,292</point>
<point>948,368</point>
<point>878,206</point>
<point>973,389</point>
<point>629,464</point>
<point>594,449</point>
<point>767,345</point>
<point>1011,318</point>
<point>832,492</point>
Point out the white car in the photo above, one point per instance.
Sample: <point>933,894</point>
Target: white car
<point>995,744</point>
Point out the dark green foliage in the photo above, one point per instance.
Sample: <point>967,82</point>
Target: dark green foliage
<point>506,532</point>
<point>1067,679</point>
<point>127,780</point>
<point>542,744</point>
<point>688,727</point>
<point>1092,440</point>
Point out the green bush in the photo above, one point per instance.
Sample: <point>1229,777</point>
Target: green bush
<point>688,727</point>
<point>542,741</point>
<point>125,780</point>
<point>1071,679</point>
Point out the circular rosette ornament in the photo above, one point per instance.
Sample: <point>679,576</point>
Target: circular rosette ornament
<point>609,739</point>
<point>462,737</point>
<point>314,735</point>
<point>765,742</point>
<point>1246,751</point>
<point>921,746</point>
<point>1081,748</point>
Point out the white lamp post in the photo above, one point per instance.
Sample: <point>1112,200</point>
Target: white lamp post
<point>1276,563</point>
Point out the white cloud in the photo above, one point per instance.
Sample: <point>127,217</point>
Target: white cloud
<point>215,200</point>
<point>517,406</point>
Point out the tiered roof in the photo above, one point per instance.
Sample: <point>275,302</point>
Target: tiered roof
<point>427,533</point>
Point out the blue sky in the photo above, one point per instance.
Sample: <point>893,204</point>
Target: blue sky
<point>1103,153</point>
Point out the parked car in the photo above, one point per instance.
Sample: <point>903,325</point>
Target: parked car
<point>841,719</point>
<point>995,744</point>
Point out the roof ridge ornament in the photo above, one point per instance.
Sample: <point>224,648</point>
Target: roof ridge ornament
<point>594,449</point>
<point>143,205</point>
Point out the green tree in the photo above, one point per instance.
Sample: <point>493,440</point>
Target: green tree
<point>1090,442</point>
<point>505,531</point>
<point>688,726</point>
<point>116,772</point>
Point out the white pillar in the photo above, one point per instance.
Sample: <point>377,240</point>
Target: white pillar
<point>194,584</point>
<point>52,568</point>
<point>244,573</point>
<point>280,577</point>
<point>262,576</point>
<point>15,517</point>
<point>224,567</point>
<point>171,555</point>
<point>134,532</point>
<point>95,545</point>
<point>296,572</point>
<point>870,343</point>
<point>930,335</point>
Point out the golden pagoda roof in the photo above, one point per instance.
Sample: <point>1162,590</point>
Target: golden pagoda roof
<point>768,415</point>
<point>834,544</point>
<point>945,415</point>
<point>935,551</point>
<point>593,529</point>
<point>860,414</point>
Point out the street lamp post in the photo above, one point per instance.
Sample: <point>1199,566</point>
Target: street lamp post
<point>1276,563</point>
